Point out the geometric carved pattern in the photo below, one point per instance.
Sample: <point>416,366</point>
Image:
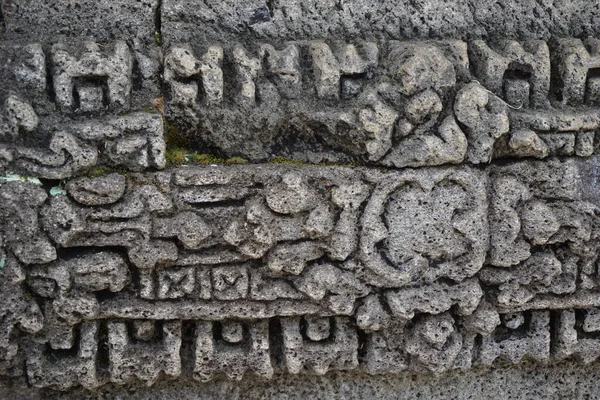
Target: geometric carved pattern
<point>469,236</point>
<point>263,280</point>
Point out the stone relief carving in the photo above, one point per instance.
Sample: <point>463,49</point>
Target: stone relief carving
<point>399,104</point>
<point>346,268</point>
<point>476,240</point>
<point>396,104</point>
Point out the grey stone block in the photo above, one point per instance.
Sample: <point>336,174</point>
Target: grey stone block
<point>450,252</point>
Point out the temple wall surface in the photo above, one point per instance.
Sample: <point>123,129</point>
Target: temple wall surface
<point>299,198</point>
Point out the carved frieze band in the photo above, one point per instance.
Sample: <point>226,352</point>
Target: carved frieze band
<point>261,268</point>
<point>397,104</point>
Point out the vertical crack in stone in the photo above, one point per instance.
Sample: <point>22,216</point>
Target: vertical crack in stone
<point>158,23</point>
<point>2,22</point>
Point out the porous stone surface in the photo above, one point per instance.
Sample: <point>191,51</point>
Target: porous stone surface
<point>310,19</point>
<point>101,20</point>
<point>553,382</point>
<point>407,203</point>
<point>385,102</point>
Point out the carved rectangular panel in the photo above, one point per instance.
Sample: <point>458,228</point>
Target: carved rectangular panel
<point>249,270</point>
<point>391,103</point>
<point>386,102</point>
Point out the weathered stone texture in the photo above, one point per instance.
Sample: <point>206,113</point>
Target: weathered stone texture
<point>209,20</point>
<point>393,103</point>
<point>447,268</point>
<point>417,197</point>
<point>98,20</point>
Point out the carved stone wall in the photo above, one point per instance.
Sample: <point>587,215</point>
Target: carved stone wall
<point>415,193</point>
